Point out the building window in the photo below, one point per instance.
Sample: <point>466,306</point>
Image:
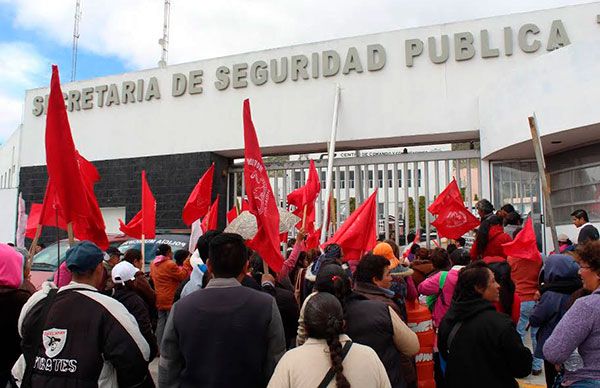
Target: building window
<point>351,179</point>
<point>380,178</point>
<point>297,179</point>
<point>370,175</point>
<point>342,179</point>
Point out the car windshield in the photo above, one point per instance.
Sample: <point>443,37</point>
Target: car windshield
<point>46,260</point>
<point>175,241</point>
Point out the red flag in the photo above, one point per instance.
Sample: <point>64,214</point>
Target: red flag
<point>306,196</point>
<point>261,200</point>
<point>148,209</point>
<point>524,246</point>
<point>312,239</point>
<point>144,222</point>
<point>232,214</point>
<point>134,227</point>
<point>358,233</point>
<point>198,203</point>
<point>34,219</point>
<point>210,221</point>
<point>92,226</point>
<point>454,219</point>
<point>245,204</point>
<point>61,156</point>
<point>450,192</point>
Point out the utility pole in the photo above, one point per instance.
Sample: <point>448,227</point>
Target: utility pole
<point>164,41</point>
<point>75,39</point>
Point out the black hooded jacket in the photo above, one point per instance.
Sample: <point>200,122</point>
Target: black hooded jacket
<point>486,350</point>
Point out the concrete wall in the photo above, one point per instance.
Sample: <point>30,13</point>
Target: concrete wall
<point>397,105</point>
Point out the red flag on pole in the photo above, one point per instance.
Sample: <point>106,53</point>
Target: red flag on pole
<point>232,214</point>
<point>198,203</point>
<point>61,156</point>
<point>524,246</point>
<point>454,220</point>
<point>358,234</point>
<point>148,209</point>
<point>210,221</point>
<point>261,200</point>
<point>144,222</point>
<point>35,218</point>
<point>312,239</point>
<point>134,227</point>
<point>450,192</point>
<point>306,196</point>
<point>245,204</point>
<point>91,227</point>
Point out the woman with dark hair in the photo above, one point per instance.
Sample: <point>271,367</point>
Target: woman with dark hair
<point>575,342</point>
<point>332,279</point>
<point>421,265</point>
<point>489,239</point>
<point>512,222</point>
<point>328,354</point>
<point>509,303</point>
<point>140,284</point>
<point>480,345</point>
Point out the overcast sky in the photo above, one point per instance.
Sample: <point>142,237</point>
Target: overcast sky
<point>122,35</point>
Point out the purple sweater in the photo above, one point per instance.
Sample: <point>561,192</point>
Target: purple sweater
<point>578,329</point>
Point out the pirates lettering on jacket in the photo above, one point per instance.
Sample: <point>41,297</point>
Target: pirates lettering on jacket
<point>55,365</point>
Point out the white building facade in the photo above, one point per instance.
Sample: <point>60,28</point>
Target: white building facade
<point>472,81</point>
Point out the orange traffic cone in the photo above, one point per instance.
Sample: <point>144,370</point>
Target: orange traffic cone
<point>419,320</point>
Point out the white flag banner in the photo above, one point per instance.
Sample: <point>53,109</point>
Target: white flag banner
<point>195,235</point>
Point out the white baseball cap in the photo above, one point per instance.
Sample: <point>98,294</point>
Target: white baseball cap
<point>122,272</point>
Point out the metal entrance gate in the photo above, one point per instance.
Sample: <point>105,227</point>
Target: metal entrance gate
<point>407,183</point>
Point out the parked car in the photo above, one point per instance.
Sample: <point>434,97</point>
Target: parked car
<point>176,241</point>
<point>46,261</point>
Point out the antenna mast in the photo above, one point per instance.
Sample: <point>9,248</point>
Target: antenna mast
<point>75,39</point>
<point>164,41</point>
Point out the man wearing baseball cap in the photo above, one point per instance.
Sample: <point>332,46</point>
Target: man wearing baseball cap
<point>75,335</point>
<point>123,277</point>
<point>113,257</point>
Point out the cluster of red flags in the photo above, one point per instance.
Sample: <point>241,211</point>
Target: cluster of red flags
<point>304,198</point>
<point>71,178</point>
<point>143,224</point>
<point>358,234</point>
<point>524,246</point>
<point>210,221</point>
<point>453,219</point>
<point>261,201</point>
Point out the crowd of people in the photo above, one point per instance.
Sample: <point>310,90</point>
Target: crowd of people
<point>216,318</point>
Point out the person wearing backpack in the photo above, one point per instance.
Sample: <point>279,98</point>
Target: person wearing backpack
<point>441,285</point>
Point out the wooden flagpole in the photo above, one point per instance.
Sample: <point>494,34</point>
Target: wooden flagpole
<point>539,156</point>
<point>34,243</point>
<point>70,234</point>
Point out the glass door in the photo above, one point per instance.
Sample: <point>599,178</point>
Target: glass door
<point>517,182</point>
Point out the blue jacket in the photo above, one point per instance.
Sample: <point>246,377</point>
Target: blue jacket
<point>560,279</point>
